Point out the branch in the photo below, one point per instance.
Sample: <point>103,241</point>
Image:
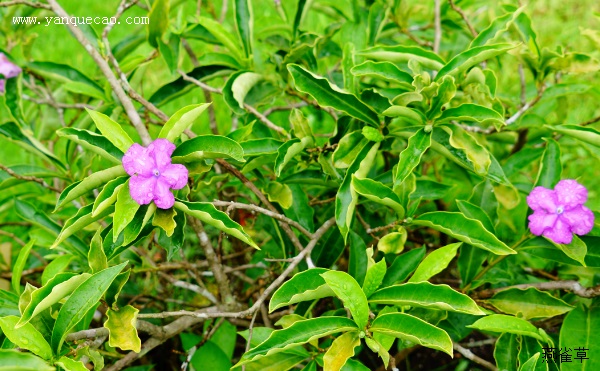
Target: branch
<point>457,9</point>
<point>438,27</point>
<point>470,356</point>
<point>573,286</point>
<point>24,2</point>
<point>526,107</point>
<point>27,178</point>
<point>142,326</point>
<point>132,113</point>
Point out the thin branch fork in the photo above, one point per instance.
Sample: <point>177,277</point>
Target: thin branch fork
<point>40,181</point>
<point>458,9</point>
<point>572,286</point>
<point>4,4</point>
<point>472,357</point>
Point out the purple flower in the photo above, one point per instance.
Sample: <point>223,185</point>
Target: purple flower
<point>560,212</point>
<point>8,70</point>
<point>152,174</point>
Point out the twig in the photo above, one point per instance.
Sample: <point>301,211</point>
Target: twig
<point>27,178</point>
<point>132,113</point>
<point>58,104</point>
<point>284,108</point>
<point>24,2</point>
<point>523,85</point>
<point>223,11</point>
<point>472,357</point>
<point>457,9</point>
<point>438,27</point>
<point>262,118</point>
<point>573,286</point>
<point>592,121</point>
<point>14,237</point>
<point>191,287</point>
<point>384,227</point>
<point>526,107</point>
<point>142,326</point>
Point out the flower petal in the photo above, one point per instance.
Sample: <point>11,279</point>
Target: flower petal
<point>161,150</point>
<point>542,199</point>
<point>176,175</point>
<point>163,197</point>
<point>539,221</point>
<point>7,68</point>
<point>580,219</point>
<point>560,233</point>
<point>570,194</point>
<point>142,189</point>
<point>137,161</point>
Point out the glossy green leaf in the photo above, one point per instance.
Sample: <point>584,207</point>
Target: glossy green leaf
<point>403,266</point>
<point>426,295</point>
<point>413,329</point>
<point>244,21</point>
<point>26,140</point>
<point>357,265</point>
<point>63,73</point>
<point>469,112</point>
<point>289,150</point>
<point>79,303</point>
<point>158,22</point>
<point>125,209</point>
<point>329,95</point>
<point>208,214</point>
<point>69,364</point>
<point>111,130</point>
<point>341,350</point>
<point>94,142</point>
<point>237,87</point>
<point>464,229</point>
<point>13,360</point>
<point>121,328</point>
<point>209,356</point>
<point>383,70</point>
<point>477,155</point>
<point>374,277</point>
<point>393,243</point>
<point>348,148</point>
<point>532,363</point>
<point>19,265</point>
<point>584,134</point>
<point>25,337</point>
<point>498,26</point>
<point>108,195</point>
<point>96,256</point>
<point>550,168</point>
<point>84,186</point>
<point>529,303</point>
<point>470,262</point>
<point>580,330</point>
<point>409,115</point>
<point>300,332</point>
<point>347,197</point>
<point>224,37</point>
<point>401,53</point>
<point>350,293</point>
<point>181,120</point>
<point>56,266</point>
<point>82,219</point>
<point>506,351</point>
<point>467,59</point>
<point>411,155</point>
<point>503,323</point>
<point>208,147</point>
<point>435,262</point>
<point>576,250</point>
<point>379,193</point>
<point>473,211</point>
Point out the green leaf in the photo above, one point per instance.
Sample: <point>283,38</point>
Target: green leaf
<point>580,329</point>
<point>379,193</point>
<point>64,74</point>
<point>121,328</point>
<point>69,364</point>
<point>393,243</point>
<point>409,115</point>
<point>385,71</point>
<point>426,295</point>
<point>413,329</point>
<point>470,262</point>
<point>584,134</point>
<point>346,198</point>
<point>125,209</point>
<point>529,303</point>
<point>576,250</point>
<point>550,168</point>
<point>224,37</point>
<point>210,356</point>
<point>84,186</point>
<point>301,11</point>
<point>80,302</point>
<point>350,293</point>
<point>280,193</point>
<point>289,150</point>
<point>237,87</point>
<point>435,262</point>
<point>506,351</point>
<point>300,332</point>
<point>12,360</point>
<point>56,266</point>
<point>341,350</point>
<point>498,26</point>
<point>82,219</point>
<point>92,141</point>
<point>477,154</point>
<point>372,134</point>
<point>108,195</point>
<point>19,266</point>
<point>467,59</point>
<point>472,211</point>
<point>468,112</point>
<point>348,148</point>
<point>208,214</point>
<point>357,265</point>
<point>403,54</point>
<point>403,266</point>
<point>207,147</point>
<point>303,286</point>
<point>509,324</point>
<point>411,156</point>
<point>464,229</point>
<point>159,21</point>
<point>181,120</point>
<point>374,276</point>
<point>113,291</point>
<point>96,256</point>
<point>329,95</point>
<point>25,337</point>
<point>244,21</point>
<point>110,129</point>
<point>25,139</point>
<point>532,363</point>
<point>166,220</point>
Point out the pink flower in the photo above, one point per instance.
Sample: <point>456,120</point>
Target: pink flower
<point>152,174</point>
<point>560,212</point>
<point>8,70</point>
